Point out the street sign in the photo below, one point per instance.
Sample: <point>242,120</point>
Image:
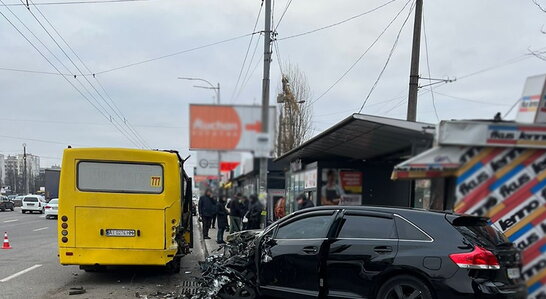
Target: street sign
<point>207,162</point>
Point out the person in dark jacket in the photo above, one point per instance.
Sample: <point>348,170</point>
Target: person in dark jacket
<point>304,202</point>
<point>254,213</point>
<point>207,211</point>
<point>245,205</point>
<point>221,220</point>
<point>235,214</point>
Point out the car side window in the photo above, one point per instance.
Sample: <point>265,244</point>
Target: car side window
<point>312,227</point>
<point>407,231</point>
<point>364,227</point>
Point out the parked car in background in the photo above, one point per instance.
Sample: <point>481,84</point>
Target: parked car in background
<point>378,252</point>
<point>52,208</point>
<point>18,200</point>
<point>6,204</point>
<point>33,203</point>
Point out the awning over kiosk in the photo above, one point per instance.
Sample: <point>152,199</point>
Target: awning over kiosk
<point>436,162</point>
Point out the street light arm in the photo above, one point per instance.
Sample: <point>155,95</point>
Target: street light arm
<point>198,79</point>
<point>216,88</point>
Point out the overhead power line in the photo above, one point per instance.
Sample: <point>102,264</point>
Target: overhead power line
<point>33,71</point>
<point>428,68</point>
<point>247,72</point>
<point>362,55</point>
<point>339,22</point>
<point>51,63</point>
<point>41,140</point>
<point>115,108</point>
<point>113,121</point>
<point>79,2</point>
<point>175,53</point>
<point>62,122</point>
<point>470,100</point>
<point>247,51</point>
<point>388,59</point>
<point>282,15</point>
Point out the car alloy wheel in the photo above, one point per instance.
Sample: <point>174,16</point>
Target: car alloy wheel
<point>404,292</point>
<point>404,287</point>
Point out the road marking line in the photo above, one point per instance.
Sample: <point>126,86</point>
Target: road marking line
<point>12,220</point>
<point>20,273</point>
<point>38,229</point>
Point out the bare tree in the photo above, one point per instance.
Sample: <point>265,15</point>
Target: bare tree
<point>296,111</point>
<point>540,54</point>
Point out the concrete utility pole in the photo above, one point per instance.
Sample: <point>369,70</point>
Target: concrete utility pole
<point>265,92</point>
<point>414,72</point>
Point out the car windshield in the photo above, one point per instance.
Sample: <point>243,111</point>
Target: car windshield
<point>54,201</point>
<point>30,199</point>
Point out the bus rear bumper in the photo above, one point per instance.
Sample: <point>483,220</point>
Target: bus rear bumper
<point>114,257</point>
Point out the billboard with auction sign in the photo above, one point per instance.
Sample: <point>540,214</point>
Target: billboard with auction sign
<point>229,127</point>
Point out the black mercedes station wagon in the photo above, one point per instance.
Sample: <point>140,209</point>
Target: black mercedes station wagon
<point>378,252</point>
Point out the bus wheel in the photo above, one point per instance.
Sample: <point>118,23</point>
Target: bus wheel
<point>173,266</point>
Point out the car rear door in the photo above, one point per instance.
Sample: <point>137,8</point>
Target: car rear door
<point>365,246</point>
<point>297,252</point>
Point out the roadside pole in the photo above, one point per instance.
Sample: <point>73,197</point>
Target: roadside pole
<point>25,173</point>
<point>414,72</point>
<point>265,96</point>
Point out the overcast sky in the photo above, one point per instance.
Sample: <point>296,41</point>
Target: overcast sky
<point>463,36</point>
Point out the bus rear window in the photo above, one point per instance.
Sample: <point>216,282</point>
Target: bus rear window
<point>120,177</point>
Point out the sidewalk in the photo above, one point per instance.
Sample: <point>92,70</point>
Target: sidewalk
<point>210,245</point>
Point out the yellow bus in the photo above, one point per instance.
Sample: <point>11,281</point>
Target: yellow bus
<point>123,207</point>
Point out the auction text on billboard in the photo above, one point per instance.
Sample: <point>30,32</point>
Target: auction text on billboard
<point>228,127</point>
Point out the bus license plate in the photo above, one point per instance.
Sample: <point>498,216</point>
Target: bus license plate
<point>513,273</point>
<point>120,233</point>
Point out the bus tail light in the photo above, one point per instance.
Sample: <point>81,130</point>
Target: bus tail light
<point>70,253</point>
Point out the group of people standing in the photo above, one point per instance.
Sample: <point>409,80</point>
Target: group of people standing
<point>243,213</point>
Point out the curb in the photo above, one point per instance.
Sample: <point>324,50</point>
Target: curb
<point>203,243</point>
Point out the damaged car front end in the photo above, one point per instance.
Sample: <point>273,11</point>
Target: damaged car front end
<point>231,271</point>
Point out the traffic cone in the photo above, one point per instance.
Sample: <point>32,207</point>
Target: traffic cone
<point>6,242</point>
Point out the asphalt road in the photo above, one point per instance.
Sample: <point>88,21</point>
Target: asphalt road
<point>32,270</point>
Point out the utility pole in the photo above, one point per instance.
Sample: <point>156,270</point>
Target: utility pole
<point>414,72</point>
<point>25,181</point>
<point>265,96</point>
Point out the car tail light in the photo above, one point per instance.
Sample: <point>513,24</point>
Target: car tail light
<point>479,258</point>
<point>47,207</point>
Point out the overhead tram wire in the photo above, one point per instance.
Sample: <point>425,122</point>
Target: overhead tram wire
<point>388,59</point>
<point>115,123</point>
<point>120,114</point>
<point>362,55</point>
<point>428,68</point>
<point>56,68</point>
<point>247,51</point>
<point>60,61</point>
<point>338,23</point>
